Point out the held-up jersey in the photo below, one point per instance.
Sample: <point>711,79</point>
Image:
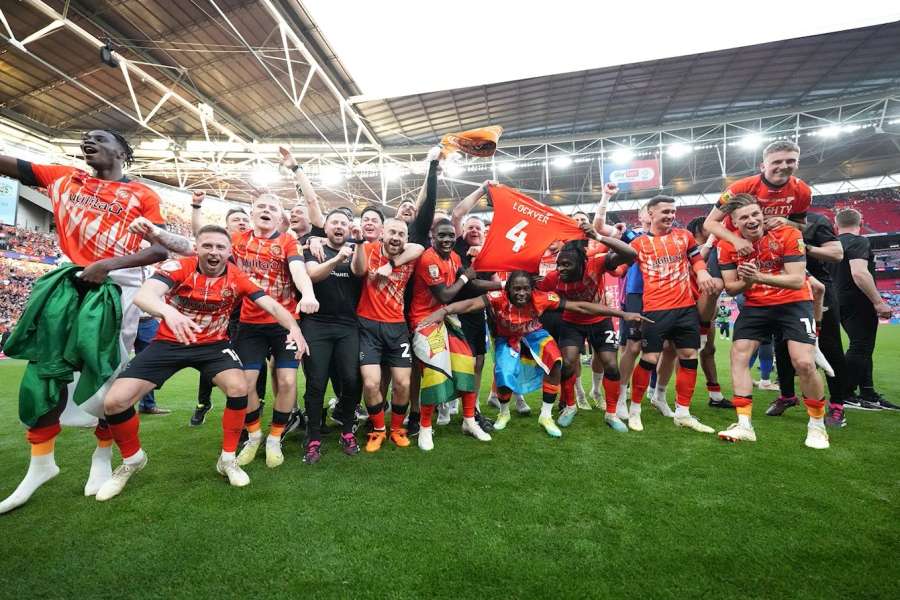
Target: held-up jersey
<point>770,252</point>
<point>208,301</point>
<point>590,288</point>
<point>382,299</point>
<point>665,262</point>
<point>266,261</point>
<point>431,270</point>
<point>792,198</point>
<point>512,321</point>
<point>92,215</point>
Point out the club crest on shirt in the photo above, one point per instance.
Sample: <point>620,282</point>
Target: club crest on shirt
<point>774,246</point>
<point>227,294</point>
<point>276,251</point>
<point>552,297</point>
<point>170,265</point>
<point>433,271</point>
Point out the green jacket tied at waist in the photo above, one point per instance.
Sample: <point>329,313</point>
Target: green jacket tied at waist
<point>63,330</point>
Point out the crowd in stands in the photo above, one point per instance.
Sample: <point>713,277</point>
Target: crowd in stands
<point>26,241</point>
<point>16,279</point>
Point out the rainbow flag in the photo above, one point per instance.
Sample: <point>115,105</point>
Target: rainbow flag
<point>523,372</point>
<point>448,366</point>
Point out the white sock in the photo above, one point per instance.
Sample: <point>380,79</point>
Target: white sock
<point>716,396</point>
<point>273,440</point>
<point>504,409</point>
<point>547,409</point>
<point>635,410</point>
<point>596,383</point>
<point>661,393</point>
<point>470,421</point>
<point>226,456</point>
<point>254,436</point>
<point>101,470</point>
<point>766,381</point>
<point>623,393</point>
<point>135,458</point>
<point>817,422</point>
<point>519,397</point>
<point>579,389</point>
<point>744,421</point>
<point>682,411</point>
<point>41,469</point>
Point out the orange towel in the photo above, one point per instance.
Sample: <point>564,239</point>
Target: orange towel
<point>475,142</point>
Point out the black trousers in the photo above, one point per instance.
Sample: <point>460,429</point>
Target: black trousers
<point>831,346</point>
<point>333,347</point>
<point>861,324</point>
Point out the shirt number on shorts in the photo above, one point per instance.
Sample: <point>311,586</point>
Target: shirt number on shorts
<point>290,345</point>
<point>611,337</point>
<point>807,322</point>
<point>230,352</point>
<point>516,234</point>
<point>405,347</point>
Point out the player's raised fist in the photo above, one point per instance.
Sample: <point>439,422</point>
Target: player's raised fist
<point>142,227</point>
<point>610,189</point>
<point>434,154</point>
<point>287,159</point>
<point>197,196</point>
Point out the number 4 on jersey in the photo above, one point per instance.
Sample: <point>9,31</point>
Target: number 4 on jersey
<point>516,234</point>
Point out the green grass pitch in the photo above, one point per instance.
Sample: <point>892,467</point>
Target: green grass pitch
<point>666,513</point>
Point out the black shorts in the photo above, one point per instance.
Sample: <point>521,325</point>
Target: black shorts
<point>258,341</point>
<point>601,336</point>
<point>551,321</point>
<point>681,326</point>
<point>160,360</point>
<point>792,321</point>
<point>475,332</point>
<point>633,303</point>
<point>384,344</point>
<point>712,263</point>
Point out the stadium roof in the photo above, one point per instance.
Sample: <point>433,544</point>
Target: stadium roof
<point>253,74</point>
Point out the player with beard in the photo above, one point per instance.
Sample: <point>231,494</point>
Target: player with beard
<point>194,297</point>
<point>273,261</point>
<point>667,256</point>
<point>333,337</point>
<point>383,334</point>
<point>236,221</point>
<point>772,277</point>
<point>437,280</point>
<point>579,278</point>
<point>525,355</point>
<point>91,214</point>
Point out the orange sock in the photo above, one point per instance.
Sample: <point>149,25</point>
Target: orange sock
<point>42,439</point>
<point>567,390</point>
<point>425,414</point>
<point>469,400</point>
<point>685,382</point>
<point>276,429</point>
<point>640,380</point>
<point>815,408</point>
<point>611,389</point>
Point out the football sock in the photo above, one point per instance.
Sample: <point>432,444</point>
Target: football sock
<point>276,428</point>
<point>567,391</point>
<point>743,405</point>
<point>41,469</point>
<point>715,391</point>
<point>611,386</point>
<point>469,400</point>
<point>425,415</point>
<point>816,410</point>
<point>376,416</point>
<point>596,382</point>
<point>685,381</point>
<point>101,459</point>
<point>549,391</point>
<point>662,392</point>
<point>233,421</point>
<point>398,412</point>
<point>640,379</point>
<point>251,422</point>
<point>125,426</point>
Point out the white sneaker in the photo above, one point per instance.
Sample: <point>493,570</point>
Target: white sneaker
<point>622,410</point>
<point>768,385</point>
<point>471,427</point>
<point>691,422</point>
<point>521,406</point>
<point>738,433</point>
<point>660,403</point>
<point>454,407</point>
<point>230,469</point>
<point>443,417</point>
<point>501,421</point>
<point>494,401</point>
<point>426,439</point>
<point>274,455</point>
<point>120,477</point>
<point>248,452</point>
<point>582,402</point>
<point>817,437</point>
<point>634,423</point>
<point>822,362</point>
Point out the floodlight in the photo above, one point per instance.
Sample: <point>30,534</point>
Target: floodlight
<point>622,155</point>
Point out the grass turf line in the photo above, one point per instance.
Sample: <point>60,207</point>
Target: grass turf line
<point>663,513</point>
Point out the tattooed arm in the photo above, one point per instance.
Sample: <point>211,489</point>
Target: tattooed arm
<point>168,240</point>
